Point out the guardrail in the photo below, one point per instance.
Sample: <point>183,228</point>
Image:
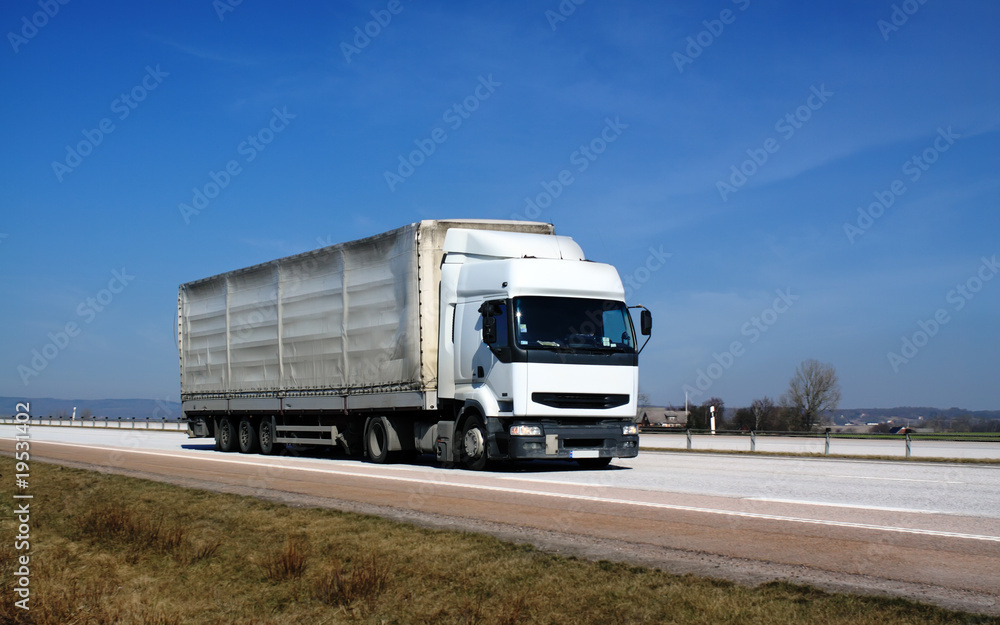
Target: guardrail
<point>907,440</point>
<point>132,424</point>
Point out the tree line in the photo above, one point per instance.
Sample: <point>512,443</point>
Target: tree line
<point>812,392</point>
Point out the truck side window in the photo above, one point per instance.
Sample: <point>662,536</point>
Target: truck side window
<point>615,328</point>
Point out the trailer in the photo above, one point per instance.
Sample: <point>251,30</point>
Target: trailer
<point>473,340</point>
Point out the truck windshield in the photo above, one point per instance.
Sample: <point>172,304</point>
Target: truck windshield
<point>572,324</point>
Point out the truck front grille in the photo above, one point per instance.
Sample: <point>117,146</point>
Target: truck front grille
<point>578,443</point>
<point>580,401</point>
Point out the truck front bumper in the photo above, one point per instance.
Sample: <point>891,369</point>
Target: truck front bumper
<point>574,442</point>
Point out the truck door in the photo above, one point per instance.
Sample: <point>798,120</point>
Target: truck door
<point>493,356</point>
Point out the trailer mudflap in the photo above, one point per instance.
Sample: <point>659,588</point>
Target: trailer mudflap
<point>198,428</point>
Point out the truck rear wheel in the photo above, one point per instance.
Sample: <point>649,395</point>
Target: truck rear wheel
<point>474,443</point>
<point>248,437</point>
<point>377,441</point>
<point>265,436</point>
<point>225,435</point>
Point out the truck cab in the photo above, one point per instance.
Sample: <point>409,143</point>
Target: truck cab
<point>537,351</point>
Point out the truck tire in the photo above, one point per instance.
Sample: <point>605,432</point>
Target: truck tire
<point>474,444</point>
<point>377,441</point>
<point>247,436</point>
<point>225,435</point>
<point>594,463</point>
<point>266,436</point>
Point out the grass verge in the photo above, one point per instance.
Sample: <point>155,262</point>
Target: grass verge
<point>111,549</point>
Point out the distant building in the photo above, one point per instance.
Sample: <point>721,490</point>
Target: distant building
<point>661,416</point>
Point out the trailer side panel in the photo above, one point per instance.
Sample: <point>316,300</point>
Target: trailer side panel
<point>339,320</point>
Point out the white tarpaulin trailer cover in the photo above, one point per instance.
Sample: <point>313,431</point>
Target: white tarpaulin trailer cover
<point>357,317</point>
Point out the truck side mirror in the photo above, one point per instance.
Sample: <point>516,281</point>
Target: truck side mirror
<point>646,322</point>
<point>489,330</point>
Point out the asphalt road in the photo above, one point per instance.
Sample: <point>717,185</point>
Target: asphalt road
<point>920,530</point>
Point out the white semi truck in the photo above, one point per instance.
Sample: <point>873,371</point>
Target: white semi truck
<point>473,340</point>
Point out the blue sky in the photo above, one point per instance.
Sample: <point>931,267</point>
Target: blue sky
<point>647,111</point>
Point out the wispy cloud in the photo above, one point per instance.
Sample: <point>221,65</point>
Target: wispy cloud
<point>205,54</point>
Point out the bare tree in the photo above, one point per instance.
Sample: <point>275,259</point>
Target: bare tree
<point>763,413</point>
<point>697,418</point>
<point>743,419</point>
<point>813,390</point>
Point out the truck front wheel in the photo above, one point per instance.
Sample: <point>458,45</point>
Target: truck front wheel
<point>474,444</point>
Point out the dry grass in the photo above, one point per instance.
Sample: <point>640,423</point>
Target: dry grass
<point>118,523</point>
<point>344,585</point>
<point>288,562</point>
<point>204,550</point>
<point>116,550</point>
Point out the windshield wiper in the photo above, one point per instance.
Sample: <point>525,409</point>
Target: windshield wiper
<point>551,346</point>
<point>562,349</point>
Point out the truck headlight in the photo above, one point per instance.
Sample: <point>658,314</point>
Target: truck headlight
<point>630,430</point>
<point>525,430</point>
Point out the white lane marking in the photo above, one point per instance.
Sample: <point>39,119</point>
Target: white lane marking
<point>844,505</point>
<point>539,480</point>
<point>589,498</point>
<point>892,479</point>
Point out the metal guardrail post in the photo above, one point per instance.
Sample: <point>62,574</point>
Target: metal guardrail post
<point>753,440</point>
<point>689,439</point>
<point>826,450</point>
<point>907,444</point>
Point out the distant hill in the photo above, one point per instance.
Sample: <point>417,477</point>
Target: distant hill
<point>110,408</point>
<point>912,413</point>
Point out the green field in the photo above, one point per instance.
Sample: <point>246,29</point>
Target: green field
<point>111,549</point>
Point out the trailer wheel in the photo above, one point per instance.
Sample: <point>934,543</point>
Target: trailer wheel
<point>225,435</point>
<point>377,441</point>
<point>594,463</point>
<point>266,436</point>
<point>248,437</point>
<point>474,444</point>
